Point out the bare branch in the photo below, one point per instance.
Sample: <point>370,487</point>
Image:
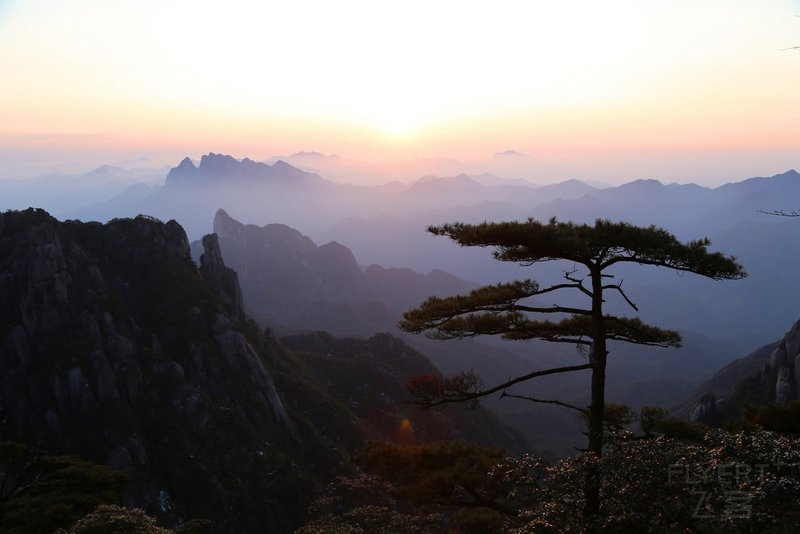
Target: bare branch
<point>544,401</point>
<point>578,282</point>
<point>479,394</point>
<point>577,285</point>
<point>618,287</point>
<point>782,213</point>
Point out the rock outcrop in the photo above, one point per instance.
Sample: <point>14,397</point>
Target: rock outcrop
<point>784,364</point>
<point>221,277</point>
<point>769,375</point>
<point>114,347</point>
<point>705,411</point>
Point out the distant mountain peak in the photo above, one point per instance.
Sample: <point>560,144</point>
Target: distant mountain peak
<point>643,184</point>
<point>186,163</point>
<point>222,216</point>
<point>280,164</point>
<point>439,180</point>
<point>572,181</point>
<point>216,159</point>
<point>511,153</point>
<point>313,154</point>
<point>222,168</point>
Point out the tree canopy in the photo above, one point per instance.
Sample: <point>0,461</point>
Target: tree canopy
<point>600,245</point>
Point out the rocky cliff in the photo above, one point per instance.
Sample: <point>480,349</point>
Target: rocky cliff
<point>114,347</point>
<point>782,372</point>
<point>769,375</point>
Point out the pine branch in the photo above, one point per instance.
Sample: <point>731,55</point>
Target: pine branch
<point>544,401</point>
<point>599,246</point>
<point>446,397</point>
<point>782,213</point>
<point>578,283</point>
<point>633,330</point>
<point>618,287</point>
<point>555,308</point>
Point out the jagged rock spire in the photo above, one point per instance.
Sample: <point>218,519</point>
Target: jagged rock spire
<point>222,278</point>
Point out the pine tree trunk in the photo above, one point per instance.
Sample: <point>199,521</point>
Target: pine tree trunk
<point>597,409</point>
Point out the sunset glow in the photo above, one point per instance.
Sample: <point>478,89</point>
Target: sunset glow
<point>378,81</point>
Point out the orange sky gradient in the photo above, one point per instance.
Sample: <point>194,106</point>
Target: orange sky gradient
<point>617,91</point>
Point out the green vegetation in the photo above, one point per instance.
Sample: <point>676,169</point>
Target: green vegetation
<point>42,492</point>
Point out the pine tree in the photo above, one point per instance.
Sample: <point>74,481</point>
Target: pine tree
<point>505,309</point>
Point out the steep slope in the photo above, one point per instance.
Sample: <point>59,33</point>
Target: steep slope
<point>371,374</point>
<point>770,374</point>
<point>114,347</point>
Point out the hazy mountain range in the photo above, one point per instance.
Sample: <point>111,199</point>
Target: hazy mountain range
<point>510,164</point>
<point>62,193</point>
<point>384,226</point>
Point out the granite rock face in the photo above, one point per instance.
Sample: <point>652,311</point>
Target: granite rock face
<point>784,364</point>
<point>224,279</point>
<point>114,347</point>
<point>705,410</point>
<point>769,375</point>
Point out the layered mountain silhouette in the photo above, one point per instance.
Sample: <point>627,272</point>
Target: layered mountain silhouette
<point>386,226</point>
<point>62,194</point>
<point>192,193</point>
<point>116,347</point>
<point>282,193</point>
<point>748,311</point>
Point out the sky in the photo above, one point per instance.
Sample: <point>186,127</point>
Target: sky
<point>678,90</point>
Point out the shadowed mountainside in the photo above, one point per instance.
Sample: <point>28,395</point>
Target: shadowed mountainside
<point>284,273</point>
<point>115,347</point>
<point>770,374</point>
